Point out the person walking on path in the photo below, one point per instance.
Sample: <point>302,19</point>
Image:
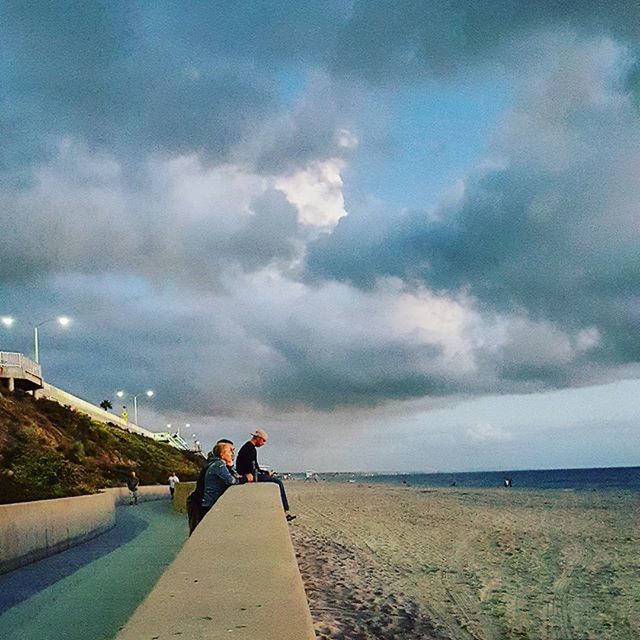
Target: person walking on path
<point>247,464</point>
<point>125,414</point>
<point>133,482</point>
<point>173,481</point>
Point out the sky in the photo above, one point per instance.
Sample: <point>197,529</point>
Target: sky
<point>399,236</point>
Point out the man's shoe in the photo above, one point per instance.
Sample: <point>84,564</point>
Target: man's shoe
<point>290,517</point>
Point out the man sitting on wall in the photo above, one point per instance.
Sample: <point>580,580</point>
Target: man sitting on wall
<point>247,465</point>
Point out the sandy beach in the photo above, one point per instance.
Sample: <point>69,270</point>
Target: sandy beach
<point>382,562</point>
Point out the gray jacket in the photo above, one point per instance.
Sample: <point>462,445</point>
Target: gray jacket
<point>216,481</point>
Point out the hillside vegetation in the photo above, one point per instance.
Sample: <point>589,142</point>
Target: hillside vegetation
<point>51,451</point>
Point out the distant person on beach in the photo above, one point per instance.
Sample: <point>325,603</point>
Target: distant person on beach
<point>173,481</point>
<point>218,476</point>
<point>508,483</point>
<point>247,465</point>
<point>133,482</point>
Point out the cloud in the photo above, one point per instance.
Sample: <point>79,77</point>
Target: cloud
<point>385,42</point>
<point>546,230</point>
<point>179,220</point>
<point>151,78</point>
<point>317,193</point>
<point>192,185</point>
<point>485,432</point>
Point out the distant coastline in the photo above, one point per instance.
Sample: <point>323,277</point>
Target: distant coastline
<point>588,479</point>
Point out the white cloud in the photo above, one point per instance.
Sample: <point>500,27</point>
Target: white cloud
<point>486,432</point>
<point>317,193</point>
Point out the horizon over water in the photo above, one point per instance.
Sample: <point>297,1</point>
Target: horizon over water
<point>594,478</point>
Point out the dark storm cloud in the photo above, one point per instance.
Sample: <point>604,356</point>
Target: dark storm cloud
<point>269,232</point>
<point>99,100</point>
<point>386,41</point>
<point>553,232</point>
<point>360,375</point>
<point>114,75</point>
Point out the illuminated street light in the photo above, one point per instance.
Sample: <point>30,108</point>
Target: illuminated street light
<point>61,320</point>
<point>149,393</point>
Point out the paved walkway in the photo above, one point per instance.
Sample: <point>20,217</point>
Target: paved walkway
<point>88,592</point>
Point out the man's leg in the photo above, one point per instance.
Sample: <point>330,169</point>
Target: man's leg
<point>263,477</point>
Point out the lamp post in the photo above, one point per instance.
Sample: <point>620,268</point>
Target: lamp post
<point>61,320</point>
<point>149,393</point>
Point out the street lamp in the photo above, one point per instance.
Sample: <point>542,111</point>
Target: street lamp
<point>61,320</point>
<point>149,393</point>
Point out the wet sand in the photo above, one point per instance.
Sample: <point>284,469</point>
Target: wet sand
<point>382,562</point>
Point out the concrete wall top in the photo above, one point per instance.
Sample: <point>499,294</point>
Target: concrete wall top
<point>236,577</point>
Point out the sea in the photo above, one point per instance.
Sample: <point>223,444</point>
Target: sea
<point>596,479</point>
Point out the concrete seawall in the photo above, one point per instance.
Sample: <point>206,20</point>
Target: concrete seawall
<point>183,489</point>
<point>33,530</point>
<point>145,493</point>
<point>236,577</point>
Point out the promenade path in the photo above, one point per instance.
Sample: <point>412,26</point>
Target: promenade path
<point>89,592</point>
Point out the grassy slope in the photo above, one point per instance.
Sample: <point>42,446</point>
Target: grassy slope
<point>51,451</point>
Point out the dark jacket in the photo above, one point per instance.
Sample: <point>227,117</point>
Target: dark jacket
<point>247,459</point>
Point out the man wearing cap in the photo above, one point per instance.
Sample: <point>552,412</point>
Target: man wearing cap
<point>247,465</point>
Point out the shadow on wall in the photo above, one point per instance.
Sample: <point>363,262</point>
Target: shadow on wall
<point>24,582</point>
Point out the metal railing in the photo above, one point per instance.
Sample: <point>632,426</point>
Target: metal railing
<point>20,361</point>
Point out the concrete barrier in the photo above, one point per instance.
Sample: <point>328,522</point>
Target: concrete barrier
<point>183,489</point>
<point>145,493</point>
<point>236,577</point>
<point>32,530</point>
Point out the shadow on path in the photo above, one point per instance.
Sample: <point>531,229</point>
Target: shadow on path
<point>90,591</point>
<point>22,583</point>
